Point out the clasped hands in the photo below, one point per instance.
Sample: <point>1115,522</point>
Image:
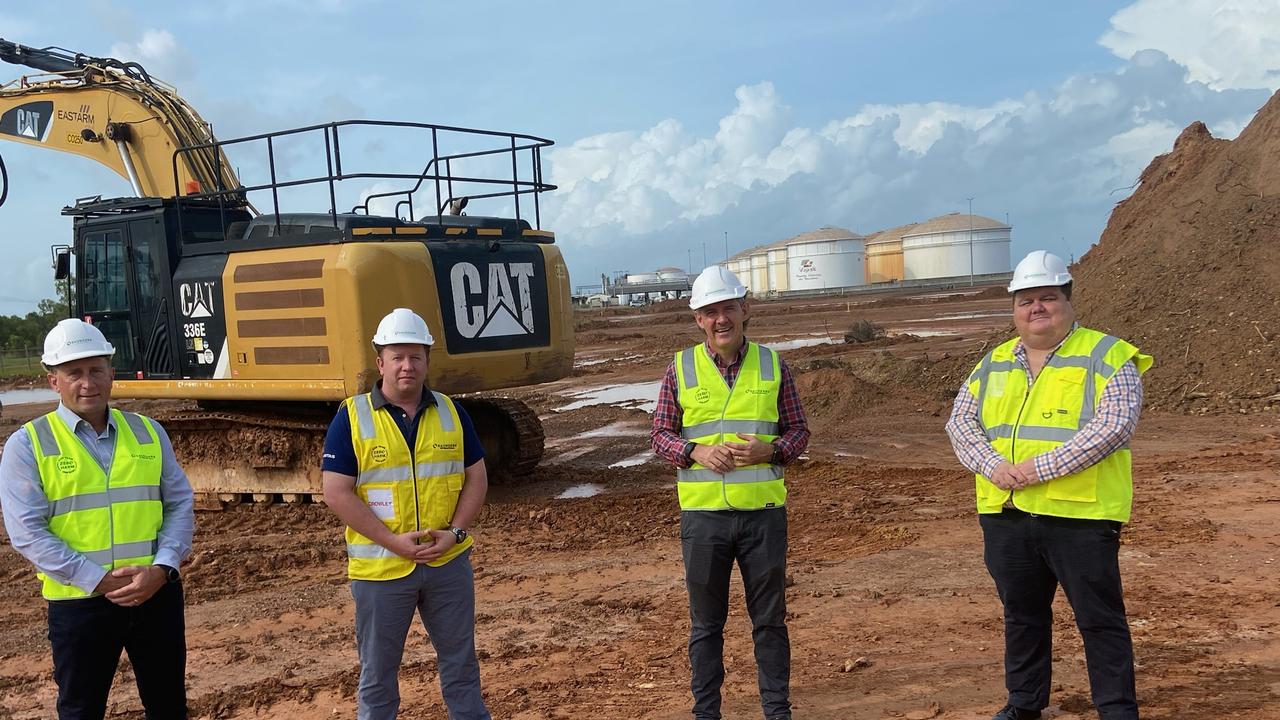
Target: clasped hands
<point>1008,476</point>
<point>724,458</point>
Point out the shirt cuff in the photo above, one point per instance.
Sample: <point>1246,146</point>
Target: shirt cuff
<point>990,464</point>
<point>166,556</point>
<point>87,577</point>
<point>1044,468</point>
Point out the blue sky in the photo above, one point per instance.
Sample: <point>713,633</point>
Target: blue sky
<point>678,122</point>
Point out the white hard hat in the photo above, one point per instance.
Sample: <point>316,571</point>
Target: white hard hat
<point>715,284</point>
<point>1039,269</point>
<point>403,326</point>
<point>73,339</point>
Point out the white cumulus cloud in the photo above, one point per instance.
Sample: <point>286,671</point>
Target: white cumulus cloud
<point>1222,43</point>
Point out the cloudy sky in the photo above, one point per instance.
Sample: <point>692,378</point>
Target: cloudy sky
<point>676,122</point>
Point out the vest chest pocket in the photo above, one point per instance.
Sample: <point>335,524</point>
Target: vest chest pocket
<point>381,499</point>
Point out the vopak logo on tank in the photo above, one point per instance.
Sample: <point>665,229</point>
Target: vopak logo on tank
<point>30,120</point>
<point>806,267</point>
<point>505,311</point>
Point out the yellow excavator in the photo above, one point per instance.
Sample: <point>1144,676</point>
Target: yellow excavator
<point>260,322</point>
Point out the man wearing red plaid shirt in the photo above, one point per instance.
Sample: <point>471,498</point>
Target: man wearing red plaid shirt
<point>729,418</point>
<point>1044,422</point>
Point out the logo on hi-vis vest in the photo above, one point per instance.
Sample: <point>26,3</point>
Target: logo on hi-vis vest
<point>67,465</point>
<point>379,453</point>
<point>702,395</point>
<point>506,308</point>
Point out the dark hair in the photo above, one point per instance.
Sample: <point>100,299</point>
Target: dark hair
<point>1066,291</point>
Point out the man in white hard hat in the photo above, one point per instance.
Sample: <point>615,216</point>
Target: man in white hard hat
<point>404,469</point>
<point>1044,422</point>
<point>95,499</point>
<point>729,418</point>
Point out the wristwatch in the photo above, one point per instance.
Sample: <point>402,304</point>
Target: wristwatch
<point>459,534</point>
<point>171,574</point>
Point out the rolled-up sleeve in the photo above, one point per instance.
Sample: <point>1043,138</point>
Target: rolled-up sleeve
<point>178,527</point>
<point>968,440</point>
<point>26,519</point>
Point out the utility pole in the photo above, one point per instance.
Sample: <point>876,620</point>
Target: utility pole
<point>726,246</point>
<point>704,254</point>
<point>970,241</point>
<point>690,252</point>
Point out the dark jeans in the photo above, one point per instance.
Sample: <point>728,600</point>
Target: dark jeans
<point>87,636</point>
<point>1028,556</point>
<point>711,541</point>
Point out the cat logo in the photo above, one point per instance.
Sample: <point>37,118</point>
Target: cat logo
<point>507,308</point>
<point>196,299</point>
<point>30,120</point>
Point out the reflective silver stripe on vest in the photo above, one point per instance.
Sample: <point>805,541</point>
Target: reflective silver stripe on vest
<point>135,549</point>
<point>368,551</point>
<point>742,475</point>
<point>44,433</point>
<point>1099,367</point>
<point>91,501</point>
<point>364,416</point>
<point>399,473</point>
<point>983,373</point>
<point>139,428</point>
<point>766,363</point>
<point>438,469</point>
<point>689,367</point>
<point>446,417</point>
<point>1032,432</point>
<point>716,427</point>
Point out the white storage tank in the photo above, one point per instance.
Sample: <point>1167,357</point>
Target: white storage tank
<point>825,258</point>
<point>641,278</point>
<point>778,269</point>
<point>759,282</point>
<point>942,247</point>
<point>671,274</point>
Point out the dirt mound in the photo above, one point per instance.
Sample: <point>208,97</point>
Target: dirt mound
<point>1188,269</point>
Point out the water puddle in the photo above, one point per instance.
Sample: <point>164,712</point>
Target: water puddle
<point>618,429</point>
<point>798,343</point>
<point>637,459</point>
<point>641,396</point>
<point>29,395</point>
<point>924,333</point>
<point>584,490</point>
<point>962,316</point>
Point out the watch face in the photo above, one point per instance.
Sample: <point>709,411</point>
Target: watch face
<point>172,575</point>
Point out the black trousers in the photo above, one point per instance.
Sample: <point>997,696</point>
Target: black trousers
<point>1028,556</point>
<point>87,636</point>
<point>711,542</point>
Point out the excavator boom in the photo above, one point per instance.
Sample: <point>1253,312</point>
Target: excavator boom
<point>115,113</point>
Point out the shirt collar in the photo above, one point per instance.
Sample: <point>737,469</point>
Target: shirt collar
<point>72,420</point>
<point>381,401</point>
<point>742,351</point>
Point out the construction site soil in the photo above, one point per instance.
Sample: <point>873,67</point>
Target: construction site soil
<point>581,608</point>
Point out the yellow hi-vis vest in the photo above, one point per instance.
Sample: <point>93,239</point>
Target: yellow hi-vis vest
<point>113,520</point>
<point>407,489</point>
<point>1061,401</point>
<point>714,414</point>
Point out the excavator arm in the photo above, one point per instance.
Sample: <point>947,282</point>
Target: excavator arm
<point>113,112</point>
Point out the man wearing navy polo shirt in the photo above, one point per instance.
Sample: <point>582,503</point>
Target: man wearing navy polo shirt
<point>404,469</point>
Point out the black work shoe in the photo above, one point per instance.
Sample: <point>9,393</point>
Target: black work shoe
<point>1009,712</point>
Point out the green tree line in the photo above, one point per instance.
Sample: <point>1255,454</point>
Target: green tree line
<point>26,332</point>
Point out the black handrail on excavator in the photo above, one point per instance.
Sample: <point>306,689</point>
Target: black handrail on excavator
<point>516,143</point>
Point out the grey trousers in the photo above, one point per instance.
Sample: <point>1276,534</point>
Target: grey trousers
<point>444,598</point>
<point>757,540</point>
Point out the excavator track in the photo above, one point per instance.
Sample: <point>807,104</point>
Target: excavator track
<point>269,453</point>
<point>510,432</point>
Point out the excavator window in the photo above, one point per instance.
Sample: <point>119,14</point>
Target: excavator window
<point>104,278</point>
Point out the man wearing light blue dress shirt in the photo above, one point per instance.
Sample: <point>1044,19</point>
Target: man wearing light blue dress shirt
<point>94,498</point>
